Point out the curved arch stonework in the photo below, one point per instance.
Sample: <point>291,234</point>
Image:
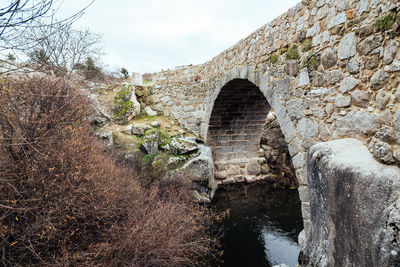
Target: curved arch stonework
<point>329,69</point>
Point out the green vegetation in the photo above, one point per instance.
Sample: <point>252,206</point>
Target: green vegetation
<point>385,23</point>
<point>293,52</point>
<point>68,202</point>
<point>125,72</point>
<point>274,58</point>
<point>90,70</point>
<point>306,45</point>
<point>39,56</point>
<point>122,104</point>
<point>312,63</point>
<point>282,51</point>
<point>11,57</point>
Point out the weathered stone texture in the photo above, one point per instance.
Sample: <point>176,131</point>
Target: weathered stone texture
<point>354,204</point>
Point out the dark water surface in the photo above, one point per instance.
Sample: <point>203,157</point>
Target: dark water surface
<point>262,226</point>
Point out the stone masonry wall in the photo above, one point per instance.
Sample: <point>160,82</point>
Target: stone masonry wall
<point>329,69</point>
<point>235,129</point>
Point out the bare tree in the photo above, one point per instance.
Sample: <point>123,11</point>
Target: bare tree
<point>29,30</point>
<point>19,12</point>
<point>59,45</point>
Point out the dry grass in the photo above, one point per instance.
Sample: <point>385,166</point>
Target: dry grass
<point>66,202</point>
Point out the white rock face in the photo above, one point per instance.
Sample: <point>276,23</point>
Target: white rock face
<point>303,79</point>
<point>342,172</point>
<point>137,78</point>
<point>348,84</point>
<point>149,111</point>
<point>347,46</point>
<point>136,104</point>
<point>307,128</point>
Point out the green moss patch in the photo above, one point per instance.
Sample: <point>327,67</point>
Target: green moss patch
<point>385,23</point>
<point>293,52</point>
<point>274,58</point>
<point>306,45</point>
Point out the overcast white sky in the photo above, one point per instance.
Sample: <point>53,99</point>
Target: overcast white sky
<point>150,35</point>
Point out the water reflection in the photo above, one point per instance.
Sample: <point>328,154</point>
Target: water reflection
<point>262,226</point>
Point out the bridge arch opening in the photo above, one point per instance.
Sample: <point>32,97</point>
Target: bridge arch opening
<point>245,137</point>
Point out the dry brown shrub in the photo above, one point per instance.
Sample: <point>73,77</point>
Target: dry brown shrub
<point>65,202</point>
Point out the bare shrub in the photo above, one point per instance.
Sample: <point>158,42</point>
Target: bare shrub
<point>65,202</point>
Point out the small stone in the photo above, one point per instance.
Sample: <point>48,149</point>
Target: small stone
<point>284,87</point>
<point>395,66</point>
<point>314,30</point>
<point>358,122</point>
<point>329,109</point>
<point>303,78</point>
<point>333,76</point>
<point>379,79</point>
<point>181,146</point>
<point>155,124</point>
<point>381,100</point>
<point>390,51</point>
<point>352,66</point>
<point>383,151</point>
<point>369,44</point>
<point>221,175</point>
<point>341,5</point>
<point>347,46</point>
<point>384,134</point>
<point>317,79</point>
<point>149,111</point>
<point>294,108</point>
<point>396,157</point>
<point>372,62</point>
<point>360,98</point>
<point>342,101</point>
<point>397,94</point>
<point>366,30</point>
<point>253,168</point>
<point>397,126</point>
<point>150,147</point>
<point>322,12</point>
<point>265,169</point>
<point>249,179</point>
<point>348,84</point>
<point>363,6</point>
<point>386,117</point>
<point>340,18</point>
<point>139,129</point>
<point>307,128</point>
<point>292,68</point>
<point>328,58</point>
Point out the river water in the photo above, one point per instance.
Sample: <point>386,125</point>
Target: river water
<point>261,225</point>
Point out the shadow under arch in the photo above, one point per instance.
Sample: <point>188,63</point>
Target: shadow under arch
<point>237,113</point>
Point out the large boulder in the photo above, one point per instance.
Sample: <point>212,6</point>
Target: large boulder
<point>354,207</point>
<point>151,143</point>
<point>200,172</point>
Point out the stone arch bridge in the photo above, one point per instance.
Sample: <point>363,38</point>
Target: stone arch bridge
<point>330,70</point>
